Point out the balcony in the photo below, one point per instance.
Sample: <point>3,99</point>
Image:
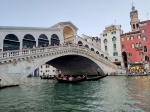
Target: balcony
<point>139,48</point>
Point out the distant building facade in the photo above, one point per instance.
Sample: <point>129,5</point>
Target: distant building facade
<point>95,41</point>
<point>47,70</point>
<point>110,43</point>
<point>135,45</point>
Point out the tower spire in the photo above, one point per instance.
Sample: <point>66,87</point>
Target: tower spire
<point>134,19</point>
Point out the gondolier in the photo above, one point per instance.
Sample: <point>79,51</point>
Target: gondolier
<point>59,75</point>
<point>98,70</point>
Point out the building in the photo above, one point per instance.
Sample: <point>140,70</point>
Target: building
<point>135,45</point>
<point>95,41</point>
<point>46,70</point>
<point>110,43</point>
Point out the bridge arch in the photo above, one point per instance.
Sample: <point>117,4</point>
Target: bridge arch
<point>29,41</point>
<point>11,42</point>
<point>86,46</point>
<point>71,60</point>
<point>80,43</point>
<point>43,40</point>
<point>92,49</point>
<point>55,40</point>
<point>68,34</point>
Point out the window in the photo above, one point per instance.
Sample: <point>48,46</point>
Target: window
<point>140,45</point>
<point>128,38</point>
<point>143,31</point>
<point>145,49</point>
<point>114,46</point>
<point>139,36</point>
<point>144,38</point>
<point>115,54</point>
<point>105,40</point>
<point>114,39</point>
<point>41,66</point>
<point>104,35</point>
<point>131,37</point>
<point>123,46</point>
<point>137,45</point>
<point>141,53</point>
<point>105,48</point>
<point>132,45</point>
<point>130,54</point>
<point>114,32</point>
<point>116,59</point>
<point>133,26</point>
<point>122,39</point>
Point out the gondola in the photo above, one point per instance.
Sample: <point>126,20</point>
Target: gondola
<point>47,77</point>
<point>95,78</point>
<point>74,80</point>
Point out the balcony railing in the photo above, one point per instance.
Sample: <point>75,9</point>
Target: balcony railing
<point>139,48</point>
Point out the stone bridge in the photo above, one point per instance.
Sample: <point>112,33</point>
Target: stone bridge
<point>70,59</point>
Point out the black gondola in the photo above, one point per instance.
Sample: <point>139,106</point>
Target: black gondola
<point>74,80</point>
<point>95,78</point>
<point>47,77</point>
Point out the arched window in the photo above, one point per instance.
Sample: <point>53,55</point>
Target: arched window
<point>106,57</point>
<point>92,49</point>
<point>55,40</point>
<point>86,46</point>
<point>133,26</point>
<point>131,38</point>
<point>80,43</point>
<point>124,56</point>
<point>123,46</point>
<point>140,45</point>
<point>43,40</point>
<point>105,48</point>
<point>11,42</point>
<point>114,38</point>
<point>114,46</point>
<point>137,45</point>
<point>97,52</point>
<point>105,41</point>
<point>146,58</point>
<point>102,55</point>
<point>144,38</point>
<point>132,45</point>
<point>29,41</point>
<point>137,26</point>
<point>145,48</point>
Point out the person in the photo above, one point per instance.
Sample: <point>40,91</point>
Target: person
<point>98,70</point>
<point>59,75</point>
<point>70,78</point>
<point>0,82</point>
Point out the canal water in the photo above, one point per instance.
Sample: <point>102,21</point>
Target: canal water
<point>111,94</point>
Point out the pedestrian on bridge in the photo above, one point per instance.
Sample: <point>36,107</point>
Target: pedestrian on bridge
<point>59,75</point>
<point>98,70</point>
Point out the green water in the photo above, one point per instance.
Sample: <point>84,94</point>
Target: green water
<point>111,94</point>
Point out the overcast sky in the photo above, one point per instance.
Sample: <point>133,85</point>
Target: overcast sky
<point>90,16</point>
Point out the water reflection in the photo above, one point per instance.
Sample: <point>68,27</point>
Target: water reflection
<point>111,94</point>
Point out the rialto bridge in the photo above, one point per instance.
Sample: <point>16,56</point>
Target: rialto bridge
<point>24,49</point>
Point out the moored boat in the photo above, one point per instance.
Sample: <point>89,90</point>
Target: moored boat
<point>95,78</point>
<point>47,77</point>
<point>67,80</point>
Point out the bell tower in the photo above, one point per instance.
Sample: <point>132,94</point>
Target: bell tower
<point>134,19</point>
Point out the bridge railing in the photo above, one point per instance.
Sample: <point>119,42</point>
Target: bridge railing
<point>27,52</point>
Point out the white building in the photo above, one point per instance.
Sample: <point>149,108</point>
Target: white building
<point>95,41</point>
<point>110,43</point>
<point>47,70</point>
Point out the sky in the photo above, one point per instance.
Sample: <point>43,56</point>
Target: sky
<point>89,16</point>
